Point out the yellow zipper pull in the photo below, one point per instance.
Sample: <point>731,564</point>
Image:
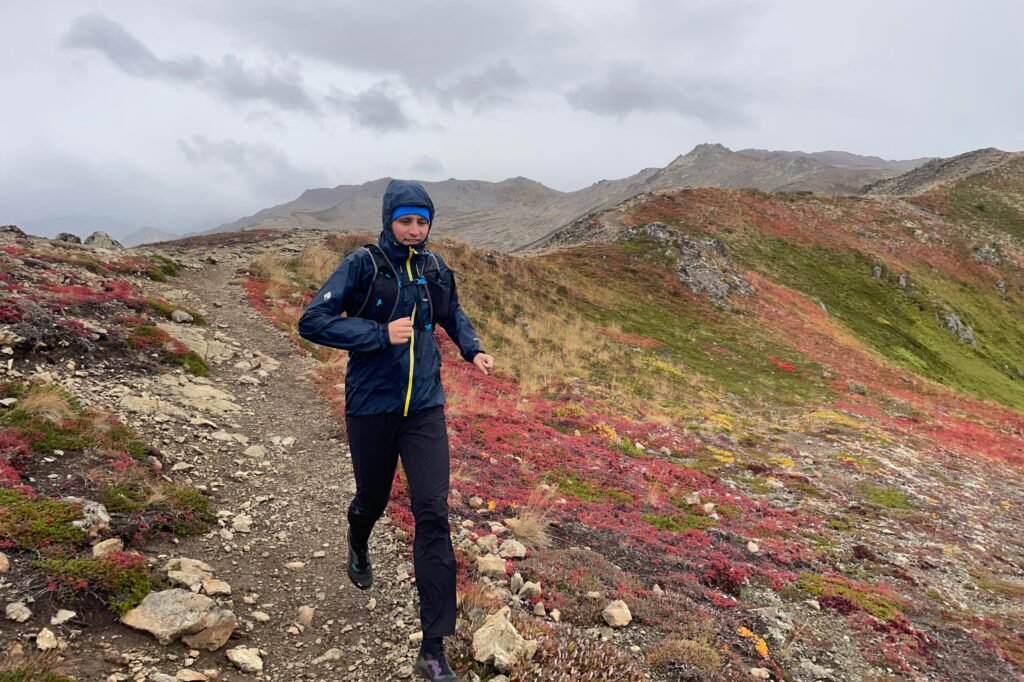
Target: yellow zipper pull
<point>412,339</point>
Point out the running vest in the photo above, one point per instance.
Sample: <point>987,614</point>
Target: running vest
<point>382,296</point>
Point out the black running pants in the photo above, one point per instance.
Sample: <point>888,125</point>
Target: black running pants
<point>421,440</point>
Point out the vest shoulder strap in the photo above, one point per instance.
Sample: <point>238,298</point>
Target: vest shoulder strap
<point>380,261</point>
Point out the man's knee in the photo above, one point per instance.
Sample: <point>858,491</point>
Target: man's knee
<point>431,511</point>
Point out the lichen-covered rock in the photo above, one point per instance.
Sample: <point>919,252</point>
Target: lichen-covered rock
<point>491,565</point>
<point>498,643</point>
<point>216,634</point>
<point>246,659</point>
<point>102,240</point>
<point>68,238</point>
<point>172,613</point>
<point>617,614</point>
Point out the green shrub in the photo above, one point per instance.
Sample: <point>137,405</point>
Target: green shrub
<point>38,523</point>
<point>121,579</point>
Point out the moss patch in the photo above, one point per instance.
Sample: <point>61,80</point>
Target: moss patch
<point>121,579</point>
<point>37,523</point>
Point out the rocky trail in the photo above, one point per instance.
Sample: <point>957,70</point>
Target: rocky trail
<point>274,462</point>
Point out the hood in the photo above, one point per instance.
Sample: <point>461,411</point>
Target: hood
<point>402,193</point>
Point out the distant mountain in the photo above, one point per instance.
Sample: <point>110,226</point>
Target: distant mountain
<point>938,171</point>
<point>513,214</point>
<point>148,235</point>
<point>838,158</point>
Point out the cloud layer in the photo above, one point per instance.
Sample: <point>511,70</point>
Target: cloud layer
<point>176,114</point>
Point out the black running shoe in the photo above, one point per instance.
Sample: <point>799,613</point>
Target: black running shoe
<point>360,570</point>
<point>436,669</point>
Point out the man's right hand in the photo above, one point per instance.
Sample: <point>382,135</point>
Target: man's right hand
<point>400,331</point>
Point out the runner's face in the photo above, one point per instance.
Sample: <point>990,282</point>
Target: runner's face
<point>410,229</point>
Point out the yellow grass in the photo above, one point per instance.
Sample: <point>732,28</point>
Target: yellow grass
<point>48,403</point>
<point>532,521</point>
<point>316,264</point>
<point>478,596</point>
<point>274,269</point>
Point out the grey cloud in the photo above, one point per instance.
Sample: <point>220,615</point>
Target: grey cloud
<point>376,108</point>
<point>427,166</point>
<point>266,168</point>
<point>491,85</point>
<point>630,87</point>
<point>419,41</point>
<point>231,79</point>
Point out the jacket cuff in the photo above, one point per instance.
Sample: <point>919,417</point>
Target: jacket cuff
<point>382,335</point>
<point>472,354</point>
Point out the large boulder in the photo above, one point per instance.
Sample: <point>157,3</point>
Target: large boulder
<point>498,643</point>
<point>12,231</point>
<point>102,240</point>
<point>68,238</point>
<point>173,613</point>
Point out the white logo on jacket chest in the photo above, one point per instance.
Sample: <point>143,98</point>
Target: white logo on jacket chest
<point>327,296</point>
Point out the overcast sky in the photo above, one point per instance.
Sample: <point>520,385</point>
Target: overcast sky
<point>187,113</point>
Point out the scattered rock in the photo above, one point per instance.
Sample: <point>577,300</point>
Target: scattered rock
<point>18,612</point>
<point>498,643</point>
<point>329,656</point>
<point>181,317</point>
<point>216,588</point>
<point>5,563</point>
<point>94,514</point>
<point>512,549</point>
<point>529,590</point>
<point>246,659</point>
<point>68,238</point>
<point>815,671</point>
<point>242,523</point>
<point>617,614</point>
<point>491,565</point>
<point>753,547</point>
<point>256,451</point>
<point>46,640</point>
<point>305,615</point>
<point>761,673</point>
<point>107,547</point>
<point>62,616</point>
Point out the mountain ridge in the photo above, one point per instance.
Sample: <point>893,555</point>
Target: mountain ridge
<point>515,212</point>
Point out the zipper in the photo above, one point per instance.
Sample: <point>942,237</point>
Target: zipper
<point>412,339</point>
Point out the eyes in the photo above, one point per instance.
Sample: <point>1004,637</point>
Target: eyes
<point>408,221</point>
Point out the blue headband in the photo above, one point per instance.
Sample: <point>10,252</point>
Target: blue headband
<point>410,210</point>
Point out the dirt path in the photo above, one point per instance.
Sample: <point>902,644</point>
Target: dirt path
<point>296,496</point>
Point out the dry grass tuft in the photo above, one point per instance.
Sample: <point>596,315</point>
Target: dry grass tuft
<point>532,521</point>
<point>274,269</point>
<point>48,403</point>
<point>18,665</point>
<point>479,598</point>
<point>684,657</point>
<point>316,264</point>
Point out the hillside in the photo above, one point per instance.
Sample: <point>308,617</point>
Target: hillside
<point>517,212</point>
<point>786,431</point>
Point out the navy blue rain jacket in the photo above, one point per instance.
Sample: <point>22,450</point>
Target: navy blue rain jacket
<point>377,379</point>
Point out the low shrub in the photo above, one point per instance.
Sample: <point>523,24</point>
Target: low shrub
<point>28,522</point>
<point>120,580</point>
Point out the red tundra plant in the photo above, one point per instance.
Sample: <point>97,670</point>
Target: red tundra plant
<point>782,364</point>
<point>14,456</point>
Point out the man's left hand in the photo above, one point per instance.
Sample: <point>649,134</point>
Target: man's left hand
<point>484,361</point>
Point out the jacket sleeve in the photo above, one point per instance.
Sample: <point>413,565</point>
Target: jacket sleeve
<point>456,323</point>
<point>322,323</point>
